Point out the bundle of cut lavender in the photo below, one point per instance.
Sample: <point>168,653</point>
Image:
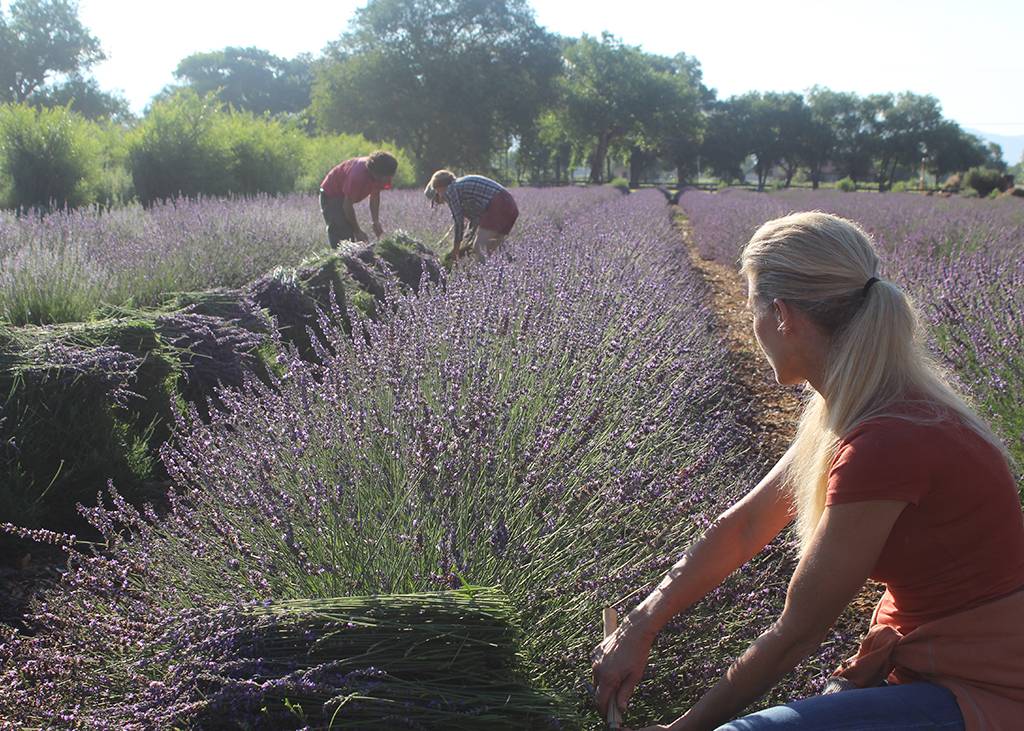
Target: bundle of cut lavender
<point>432,660</point>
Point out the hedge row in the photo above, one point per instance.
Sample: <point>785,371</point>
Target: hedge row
<point>186,145</point>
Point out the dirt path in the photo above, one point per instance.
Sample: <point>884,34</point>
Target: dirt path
<point>774,409</point>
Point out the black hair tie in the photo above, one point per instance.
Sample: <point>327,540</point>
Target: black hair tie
<point>868,285</point>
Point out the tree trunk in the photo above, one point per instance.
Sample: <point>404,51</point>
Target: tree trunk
<point>636,161</point>
<point>597,159</point>
<point>679,176</point>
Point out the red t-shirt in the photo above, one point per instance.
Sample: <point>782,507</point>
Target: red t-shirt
<point>352,179</point>
<point>960,541</point>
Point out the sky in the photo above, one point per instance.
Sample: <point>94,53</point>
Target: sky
<point>968,55</point>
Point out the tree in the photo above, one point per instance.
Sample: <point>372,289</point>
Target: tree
<point>250,79</point>
<point>900,127</point>
<point>952,150</point>
<point>726,141</point>
<point>792,121</point>
<point>85,97</point>
<point>449,80</point>
<point>680,120</point>
<point>834,123</point>
<point>854,150</point>
<point>610,91</point>
<point>547,147</point>
<point>772,125</point>
<point>39,39</point>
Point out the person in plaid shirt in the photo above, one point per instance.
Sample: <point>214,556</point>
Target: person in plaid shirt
<point>488,206</point>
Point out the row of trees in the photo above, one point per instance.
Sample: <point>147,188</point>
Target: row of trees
<point>480,86</point>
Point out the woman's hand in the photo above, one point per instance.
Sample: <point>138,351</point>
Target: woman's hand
<point>618,665</point>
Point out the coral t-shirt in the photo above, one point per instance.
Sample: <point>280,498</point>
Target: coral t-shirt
<point>351,179</point>
<point>960,541</point>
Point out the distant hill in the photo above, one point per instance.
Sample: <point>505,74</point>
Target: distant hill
<point>1013,145</point>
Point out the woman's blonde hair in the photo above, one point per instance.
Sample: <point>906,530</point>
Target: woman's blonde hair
<point>821,264</point>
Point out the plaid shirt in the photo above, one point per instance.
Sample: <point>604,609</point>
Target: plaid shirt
<point>468,197</point>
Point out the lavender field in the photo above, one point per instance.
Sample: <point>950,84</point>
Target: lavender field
<point>961,259</point>
<point>559,424</point>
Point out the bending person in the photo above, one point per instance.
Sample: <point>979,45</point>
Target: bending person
<point>891,476</point>
<point>348,183</point>
<point>488,206</point>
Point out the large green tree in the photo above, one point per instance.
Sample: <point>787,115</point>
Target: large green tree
<point>726,140</point>
<point>40,39</point>
<point>682,124</point>
<point>774,126</point>
<point>450,80</point>
<point>250,79</point>
<point>900,128</point>
<point>950,150</point>
<point>835,121</point>
<point>610,93</point>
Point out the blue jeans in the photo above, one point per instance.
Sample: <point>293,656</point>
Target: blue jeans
<point>886,708</point>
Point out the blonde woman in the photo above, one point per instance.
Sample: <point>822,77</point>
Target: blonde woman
<point>891,476</point>
<point>487,205</point>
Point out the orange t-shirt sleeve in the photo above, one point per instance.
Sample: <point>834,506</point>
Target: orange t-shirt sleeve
<point>879,461</point>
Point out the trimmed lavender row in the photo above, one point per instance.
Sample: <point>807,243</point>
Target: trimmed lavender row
<point>961,260</point>
<point>561,425</point>
<point>61,267</point>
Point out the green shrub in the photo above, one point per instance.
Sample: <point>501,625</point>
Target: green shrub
<point>49,157</point>
<point>265,154</point>
<point>620,184</point>
<point>323,153</point>
<point>177,151</point>
<point>984,180</point>
<point>846,185</point>
<point>113,185</point>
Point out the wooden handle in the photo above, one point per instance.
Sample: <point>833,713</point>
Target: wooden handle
<point>611,622</point>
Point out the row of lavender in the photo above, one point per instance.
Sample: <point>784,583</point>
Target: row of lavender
<point>62,267</point>
<point>961,260</point>
<point>560,424</point>
<point>88,400</point>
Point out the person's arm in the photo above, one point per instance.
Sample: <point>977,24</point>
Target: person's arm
<point>459,225</point>
<point>737,535</point>
<point>845,547</point>
<point>350,216</point>
<point>375,212</point>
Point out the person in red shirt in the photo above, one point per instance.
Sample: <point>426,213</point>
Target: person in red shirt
<point>349,183</point>
<point>891,476</point>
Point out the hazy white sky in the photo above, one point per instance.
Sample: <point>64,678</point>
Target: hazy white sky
<point>969,55</point>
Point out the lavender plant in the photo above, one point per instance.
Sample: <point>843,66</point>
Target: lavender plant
<point>63,266</point>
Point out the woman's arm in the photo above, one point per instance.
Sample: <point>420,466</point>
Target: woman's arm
<point>350,216</point>
<point>738,534</point>
<point>845,547</point>
<point>375,212</point>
